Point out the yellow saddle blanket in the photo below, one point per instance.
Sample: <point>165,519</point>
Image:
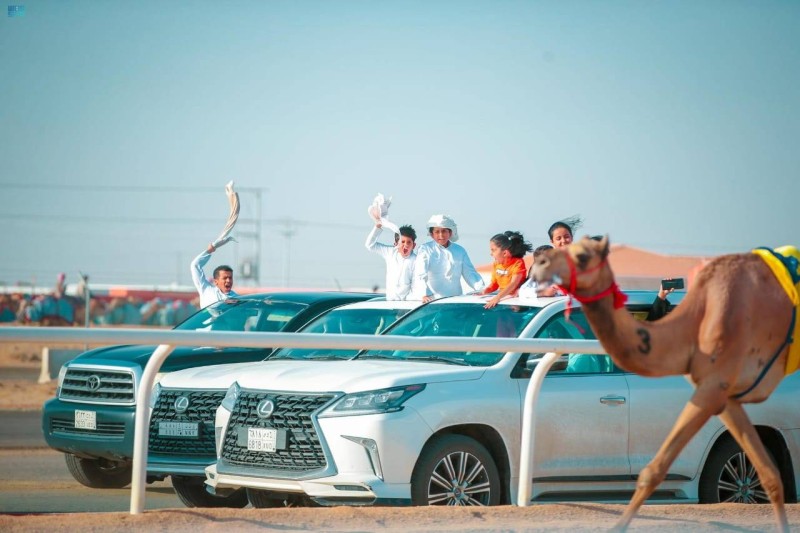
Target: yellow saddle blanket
<point>786,279</point>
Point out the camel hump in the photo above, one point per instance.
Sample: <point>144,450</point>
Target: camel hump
<point>791,252</point>
<point>786,270</point>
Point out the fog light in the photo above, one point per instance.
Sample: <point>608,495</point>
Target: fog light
<point>358,488</point>
<point>371,448</point>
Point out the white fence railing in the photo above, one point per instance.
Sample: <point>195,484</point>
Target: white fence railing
<point>168,339</point>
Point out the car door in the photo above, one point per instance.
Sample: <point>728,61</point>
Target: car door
<point>656,404</point>
<point>582,415</point>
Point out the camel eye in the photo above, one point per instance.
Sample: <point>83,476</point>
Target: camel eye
<point>583,260</point>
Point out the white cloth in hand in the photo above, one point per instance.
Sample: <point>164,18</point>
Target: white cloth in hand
<point>379,211</point>
<point>221,242</point>
<point>233,216</point>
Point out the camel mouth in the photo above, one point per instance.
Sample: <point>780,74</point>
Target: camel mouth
<point>542,286</point>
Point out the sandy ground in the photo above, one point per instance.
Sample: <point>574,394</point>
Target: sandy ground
<point>19,369</point>
<point>22,361</point>
<point>575,517</point>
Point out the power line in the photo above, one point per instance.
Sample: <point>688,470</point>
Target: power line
<point>121,188</point>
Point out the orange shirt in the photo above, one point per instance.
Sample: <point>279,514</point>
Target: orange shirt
<point>503,274</point>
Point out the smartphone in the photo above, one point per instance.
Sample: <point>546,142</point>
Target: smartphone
<point>670,283</point>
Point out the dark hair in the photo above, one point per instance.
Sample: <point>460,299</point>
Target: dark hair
<point>570,224</point>
<point>513,242</point>
<point>541,249</point>
<point>406,231</point>
<point>222,268</point>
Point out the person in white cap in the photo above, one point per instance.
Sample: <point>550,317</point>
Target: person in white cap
<point>441,263</point>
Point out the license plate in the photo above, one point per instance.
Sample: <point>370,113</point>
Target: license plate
<point>178,429</point>
<point>262,439</point>
<point>85,420</point>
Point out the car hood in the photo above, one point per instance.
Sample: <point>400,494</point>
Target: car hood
<point>182,357</point>
<point>321,376</point>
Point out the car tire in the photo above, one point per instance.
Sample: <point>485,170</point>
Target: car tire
<point>191,490</point>
<point>730,477</point>
<point>99,473</point>
<point>263,499</point>
<point>455,470</point>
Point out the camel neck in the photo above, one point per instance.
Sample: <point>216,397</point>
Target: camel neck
<point>635,345</point>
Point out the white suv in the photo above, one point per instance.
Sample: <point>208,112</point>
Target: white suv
<point>183,403</point>
<point>398,427</point>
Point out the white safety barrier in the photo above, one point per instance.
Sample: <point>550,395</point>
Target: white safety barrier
<point>168,339</point>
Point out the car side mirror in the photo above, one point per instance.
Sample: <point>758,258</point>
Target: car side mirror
<point>528,362</point>
<point>559,365</point>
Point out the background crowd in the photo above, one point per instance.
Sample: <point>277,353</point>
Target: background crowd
<point>58,309</point>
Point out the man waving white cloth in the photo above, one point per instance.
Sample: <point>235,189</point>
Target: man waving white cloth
<point>222,286</point>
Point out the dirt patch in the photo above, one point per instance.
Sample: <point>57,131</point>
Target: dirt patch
<point>20,363</point>
<point>25,395</point>
<point>567,517</point>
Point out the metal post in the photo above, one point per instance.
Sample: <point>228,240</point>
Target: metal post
<point>86,306</point>
<point>526,448</point>
<point>257,236</point>
<point>141,433</point>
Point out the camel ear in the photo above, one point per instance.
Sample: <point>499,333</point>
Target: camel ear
<point>605,244</point>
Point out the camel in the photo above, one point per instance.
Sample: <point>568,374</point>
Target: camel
<point>730,336</point>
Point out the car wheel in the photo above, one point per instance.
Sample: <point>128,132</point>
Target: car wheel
<point>191,490</point>
<point>99,473</point>
<point>730,477</point>
<point>455,470</point>
<point>263,499</point>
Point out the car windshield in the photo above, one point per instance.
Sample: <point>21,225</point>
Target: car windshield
<point>243,315</point>
<point>361,321</point>
<point>457,320</point>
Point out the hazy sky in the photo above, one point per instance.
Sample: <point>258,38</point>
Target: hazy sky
<point>673,126</point>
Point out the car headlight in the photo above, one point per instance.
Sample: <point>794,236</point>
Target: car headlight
<point>231,396</point>
<point>372,402</point>
<point>154,395</point>
<point>61,373</point>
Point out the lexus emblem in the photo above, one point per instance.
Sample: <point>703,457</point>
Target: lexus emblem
<point>93,383</point>
<point>181,404</point>
<point>265,408</point>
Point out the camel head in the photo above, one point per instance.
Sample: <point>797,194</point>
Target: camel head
<point>577,268</point>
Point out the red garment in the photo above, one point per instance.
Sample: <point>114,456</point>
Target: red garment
<point>502,274</point>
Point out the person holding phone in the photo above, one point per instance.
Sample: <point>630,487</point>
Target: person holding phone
<point>661,306</point>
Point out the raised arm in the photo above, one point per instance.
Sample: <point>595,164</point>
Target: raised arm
<point>198,275</point>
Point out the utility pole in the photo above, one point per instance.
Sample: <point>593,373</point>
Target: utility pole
<point>288,232</point>
<point>255,233</point>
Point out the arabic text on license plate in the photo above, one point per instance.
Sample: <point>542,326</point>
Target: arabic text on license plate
<point>177,429</point>
<point>85,420</point>
<point>261,439</point>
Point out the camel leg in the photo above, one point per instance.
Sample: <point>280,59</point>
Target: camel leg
<point>736,420</point>
<point>694,415</point>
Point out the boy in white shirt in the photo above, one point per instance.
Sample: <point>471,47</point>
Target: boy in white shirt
<point>441,263</point>
<point>222,286</point>
<point>399,260</point>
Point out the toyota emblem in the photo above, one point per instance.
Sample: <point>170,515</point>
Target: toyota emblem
<point>181,404</point>
<point>265,408</point>
<point>93,383</point>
